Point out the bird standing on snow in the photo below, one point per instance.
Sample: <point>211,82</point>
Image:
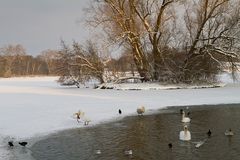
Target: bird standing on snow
<point>79,115</point>
<point>23,143</point>
<point>119,111</point>
<point>141,110</point>
<point>86,121</point>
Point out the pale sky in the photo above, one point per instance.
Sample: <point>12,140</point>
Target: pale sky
<point>40,24</point>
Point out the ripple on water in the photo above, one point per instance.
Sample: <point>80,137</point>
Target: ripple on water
<point>148,137</point>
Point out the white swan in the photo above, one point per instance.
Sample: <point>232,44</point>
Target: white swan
<point>185,135</point>
<point>141,110</point>
<point>184,118</point>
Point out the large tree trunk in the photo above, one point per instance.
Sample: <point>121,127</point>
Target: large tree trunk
<point>156,63</point>
<point>141,63</point>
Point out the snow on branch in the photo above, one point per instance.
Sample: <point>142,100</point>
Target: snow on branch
<point>221,51</point>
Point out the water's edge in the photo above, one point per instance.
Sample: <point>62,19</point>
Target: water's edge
<point>39,137</point>
<point>168,109</point>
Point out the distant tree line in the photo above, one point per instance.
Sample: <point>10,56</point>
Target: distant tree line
<point>75,64</point>
<point>14,61</point>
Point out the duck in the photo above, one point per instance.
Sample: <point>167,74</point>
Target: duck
<point>10,143</point>
<point>141,110</point>
<point>120,111</point>
<point>23,143</point>
<point>185,135</point>
<point>209,133</point>
<point>170,145</point>
<point>185,119</point>
<point>229,132</point>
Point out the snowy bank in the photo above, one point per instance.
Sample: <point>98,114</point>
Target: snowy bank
<point>32,107</point>
<point>134,83</point>
<point>154,86</point>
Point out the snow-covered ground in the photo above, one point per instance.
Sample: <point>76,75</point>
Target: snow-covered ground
<point>155,86</point>
<point>32,107</point>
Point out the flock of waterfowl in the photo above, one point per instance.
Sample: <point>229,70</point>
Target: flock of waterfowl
<point>184,135</point>
<point>80,115</point>
<point>11,143</point>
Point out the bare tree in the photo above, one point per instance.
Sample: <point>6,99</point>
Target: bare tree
<point>88,61</point>
<point>15,62</point>
<point>213,29</point>
<point>78,64</point>
<point>10,54</point>
<point>135,24</point>
<point>50,57</point>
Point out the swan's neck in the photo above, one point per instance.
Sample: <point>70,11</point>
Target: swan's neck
<point>183,115</point>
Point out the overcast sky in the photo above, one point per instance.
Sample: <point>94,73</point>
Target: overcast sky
<point>40,24</point>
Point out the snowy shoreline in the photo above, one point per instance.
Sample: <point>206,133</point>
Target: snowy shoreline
<point>156,86</point>
<point>38,106</point>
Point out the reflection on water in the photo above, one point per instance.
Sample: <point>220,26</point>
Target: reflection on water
<point>148,137</point>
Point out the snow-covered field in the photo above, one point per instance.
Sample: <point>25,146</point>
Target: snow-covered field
<point>32,107</point>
